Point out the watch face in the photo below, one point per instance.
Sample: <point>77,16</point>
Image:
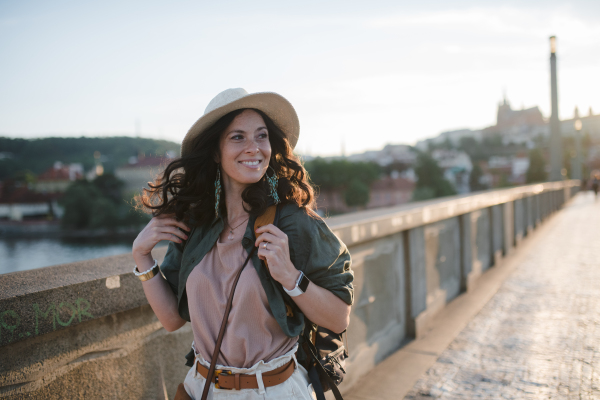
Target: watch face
<point>303,283</point>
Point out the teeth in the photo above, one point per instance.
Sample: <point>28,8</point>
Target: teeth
<point>250,162</point>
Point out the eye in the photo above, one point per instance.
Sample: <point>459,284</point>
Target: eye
<point>237,136</point>
<point>263,135</point>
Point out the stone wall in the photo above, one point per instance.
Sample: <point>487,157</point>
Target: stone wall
<point>85,330</point>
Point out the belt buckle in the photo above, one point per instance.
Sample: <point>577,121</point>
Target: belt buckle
<point>217,373</point>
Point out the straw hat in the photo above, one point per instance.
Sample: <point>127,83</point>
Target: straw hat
<point>275,106</point>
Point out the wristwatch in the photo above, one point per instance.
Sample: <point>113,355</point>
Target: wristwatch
<point>300,288</point>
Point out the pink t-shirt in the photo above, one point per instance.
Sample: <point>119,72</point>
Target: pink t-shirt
<point>252,333</point>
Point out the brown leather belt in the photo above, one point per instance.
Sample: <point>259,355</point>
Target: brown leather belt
<point>224,379</point>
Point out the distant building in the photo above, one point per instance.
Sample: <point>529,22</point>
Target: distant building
<point>139,171</point>
<point>453,137</point>
<point>590,124</point>
<point>457,167</point>
<point>58,178</point>
<point>19,202</point>
<point>518,126</point>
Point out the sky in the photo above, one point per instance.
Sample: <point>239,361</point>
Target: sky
<point>360,74</point>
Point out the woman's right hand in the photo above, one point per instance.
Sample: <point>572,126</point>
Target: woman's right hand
<point>163,227</point>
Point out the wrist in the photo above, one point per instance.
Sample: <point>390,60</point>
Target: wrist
<point>290,282</point>
<point>142,260</point>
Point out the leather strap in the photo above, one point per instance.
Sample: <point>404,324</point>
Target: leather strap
<point>269,215</point>
<point>226,380</point>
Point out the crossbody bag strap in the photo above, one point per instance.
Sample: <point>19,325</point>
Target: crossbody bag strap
<point>213,360</point>
<point>271,215</point>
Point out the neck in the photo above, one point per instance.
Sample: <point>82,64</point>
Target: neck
<point>233,200</point>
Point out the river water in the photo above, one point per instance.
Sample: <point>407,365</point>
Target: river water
<point>24,254</point>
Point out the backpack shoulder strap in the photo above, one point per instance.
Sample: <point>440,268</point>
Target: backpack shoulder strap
<point>267,218</point>
<point>270,216</point>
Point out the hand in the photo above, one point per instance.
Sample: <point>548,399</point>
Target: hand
<point>276,254</point>
<point>163,227</point>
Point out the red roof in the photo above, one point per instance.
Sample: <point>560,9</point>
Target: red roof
<point>57,174</point>
<point>13,194</point>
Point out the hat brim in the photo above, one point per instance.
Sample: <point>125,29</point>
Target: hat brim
<point>274,105</point>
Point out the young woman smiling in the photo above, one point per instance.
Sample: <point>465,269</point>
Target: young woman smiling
<point>236,161</point>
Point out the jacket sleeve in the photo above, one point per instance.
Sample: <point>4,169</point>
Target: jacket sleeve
<point>321,255</point>
<point>171,265</point>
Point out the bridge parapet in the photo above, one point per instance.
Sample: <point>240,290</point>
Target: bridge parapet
<point>85,329</point>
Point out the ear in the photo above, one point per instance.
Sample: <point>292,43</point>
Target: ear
<point>217,157</point>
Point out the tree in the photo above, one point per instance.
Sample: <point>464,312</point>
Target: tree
<point>357,194</point>
<point>354,179</point>
<point>475,178</point>
<point>98,204</point>
<point>111,187</point>
<point>430,179</point>
<point>537,167</point>
<point>78,201</point>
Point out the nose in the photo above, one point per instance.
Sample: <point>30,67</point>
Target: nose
<point>252,147</point>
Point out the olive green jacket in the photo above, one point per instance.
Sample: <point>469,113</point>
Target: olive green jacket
<point>314,250</point>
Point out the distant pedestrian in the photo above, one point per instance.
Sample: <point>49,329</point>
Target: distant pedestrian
<point>236,162</point>
<point>596,183</point>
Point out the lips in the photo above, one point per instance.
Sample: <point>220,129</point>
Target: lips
<point>251,163</point>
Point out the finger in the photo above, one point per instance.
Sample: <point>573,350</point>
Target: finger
<point>264,254</point>
<point>173,222</point>
<point>266,237</point>
<point>174,231</point>
<point>170,237</point>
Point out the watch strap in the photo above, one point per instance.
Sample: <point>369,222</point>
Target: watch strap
<point>301,285</point>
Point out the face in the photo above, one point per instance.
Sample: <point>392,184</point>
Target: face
<point>244,150</point>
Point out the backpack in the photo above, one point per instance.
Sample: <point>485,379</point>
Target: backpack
<point>324,350</point>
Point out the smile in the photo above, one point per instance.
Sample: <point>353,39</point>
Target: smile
<point>250,163</point>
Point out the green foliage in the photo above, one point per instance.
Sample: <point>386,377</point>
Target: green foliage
<point>430,176</point>
<point>357,194</point>
<point>78,201</point>
<point>423,193</point>
<point>475,177</point>
<point>503,182</point>
<point>354,178</point>
<point>98,204</point>
<point>340,173</point>
<point>537,167</point>
<point>110,186</point>
<point>104,213</point>
<point>38,155</point>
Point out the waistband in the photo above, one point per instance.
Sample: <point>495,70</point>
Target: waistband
<point>260,366</point>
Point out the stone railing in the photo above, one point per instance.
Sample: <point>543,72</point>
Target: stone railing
<point>85,330</point>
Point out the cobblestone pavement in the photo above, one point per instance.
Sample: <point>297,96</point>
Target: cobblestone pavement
<point>539,336</point>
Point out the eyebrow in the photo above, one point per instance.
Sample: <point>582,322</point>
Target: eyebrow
<point>241,131</point>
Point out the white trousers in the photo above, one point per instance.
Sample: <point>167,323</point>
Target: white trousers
<point>296,387</point>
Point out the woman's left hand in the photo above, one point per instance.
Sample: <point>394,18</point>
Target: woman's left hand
<point>273,247</point>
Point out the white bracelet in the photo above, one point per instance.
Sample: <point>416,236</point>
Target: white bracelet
<point>137,273</point>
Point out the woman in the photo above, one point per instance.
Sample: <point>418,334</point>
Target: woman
<point>237,160</point>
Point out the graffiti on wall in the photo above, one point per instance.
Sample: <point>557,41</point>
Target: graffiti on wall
<point>52,314</point>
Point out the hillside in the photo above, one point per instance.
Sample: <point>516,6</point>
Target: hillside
<point>37,155</point>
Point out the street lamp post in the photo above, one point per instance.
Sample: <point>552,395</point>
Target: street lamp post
<point>577,173</point>
<point>555,156</point>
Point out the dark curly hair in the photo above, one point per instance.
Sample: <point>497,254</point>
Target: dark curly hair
<point>186,187</point>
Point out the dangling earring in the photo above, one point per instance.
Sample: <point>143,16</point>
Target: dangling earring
<point>217,191</point>
<point>273,182</point>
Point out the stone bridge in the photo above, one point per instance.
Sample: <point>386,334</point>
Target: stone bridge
<point>485,295</point>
